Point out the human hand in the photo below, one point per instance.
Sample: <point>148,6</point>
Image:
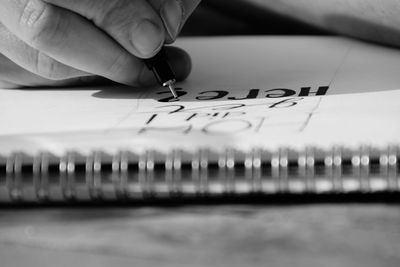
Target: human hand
<point>64,42</point>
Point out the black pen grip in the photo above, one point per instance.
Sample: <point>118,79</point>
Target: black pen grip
<point>160,67</point>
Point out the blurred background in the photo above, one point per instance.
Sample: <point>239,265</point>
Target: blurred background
<point>241,17</point>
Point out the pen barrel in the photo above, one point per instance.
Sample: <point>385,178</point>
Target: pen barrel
<point>161,68</point>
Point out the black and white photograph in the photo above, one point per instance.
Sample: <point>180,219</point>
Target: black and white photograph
<point>199,133</point>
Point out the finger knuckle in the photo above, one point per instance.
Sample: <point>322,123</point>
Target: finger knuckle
<point>122,69</point>
<point>119,14</point>
<point>47,67</point>
<point>42,24</point>
<point>108,12</point>
<point>118,64</point>
<point>32,12</point>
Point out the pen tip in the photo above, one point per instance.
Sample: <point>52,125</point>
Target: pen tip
<point>172,89</point>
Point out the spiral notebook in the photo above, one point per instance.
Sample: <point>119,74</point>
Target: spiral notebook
<point>259,115</point>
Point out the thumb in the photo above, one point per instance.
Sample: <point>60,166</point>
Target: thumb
<point>174,14</point>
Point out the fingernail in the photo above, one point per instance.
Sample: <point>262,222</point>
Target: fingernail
<point>172,15</point>
<point>147,38</point>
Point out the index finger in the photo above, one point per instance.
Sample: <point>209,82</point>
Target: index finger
<point>70,39</point>
<point>132,23</point>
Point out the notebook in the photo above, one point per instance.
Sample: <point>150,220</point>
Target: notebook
<point>257,116</point>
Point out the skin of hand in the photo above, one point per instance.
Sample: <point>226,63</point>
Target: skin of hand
<point>69,42</point>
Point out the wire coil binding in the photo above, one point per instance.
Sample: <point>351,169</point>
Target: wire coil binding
<point>131,176</point>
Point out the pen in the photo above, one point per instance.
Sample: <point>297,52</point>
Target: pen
<point>162,70</point>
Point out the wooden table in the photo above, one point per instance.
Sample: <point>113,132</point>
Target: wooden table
<point>330,234</point>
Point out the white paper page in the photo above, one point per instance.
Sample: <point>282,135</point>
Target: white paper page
<point>242,92</point>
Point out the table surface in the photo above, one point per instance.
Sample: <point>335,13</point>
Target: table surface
<point>203,235</point>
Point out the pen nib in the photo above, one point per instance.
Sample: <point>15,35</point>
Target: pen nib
<point>173,90</point>
<point>170,84</point>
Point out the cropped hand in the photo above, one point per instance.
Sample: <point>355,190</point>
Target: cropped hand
<point>63,42</point>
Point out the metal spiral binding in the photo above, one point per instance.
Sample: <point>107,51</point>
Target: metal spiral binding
<point>132,176</point>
